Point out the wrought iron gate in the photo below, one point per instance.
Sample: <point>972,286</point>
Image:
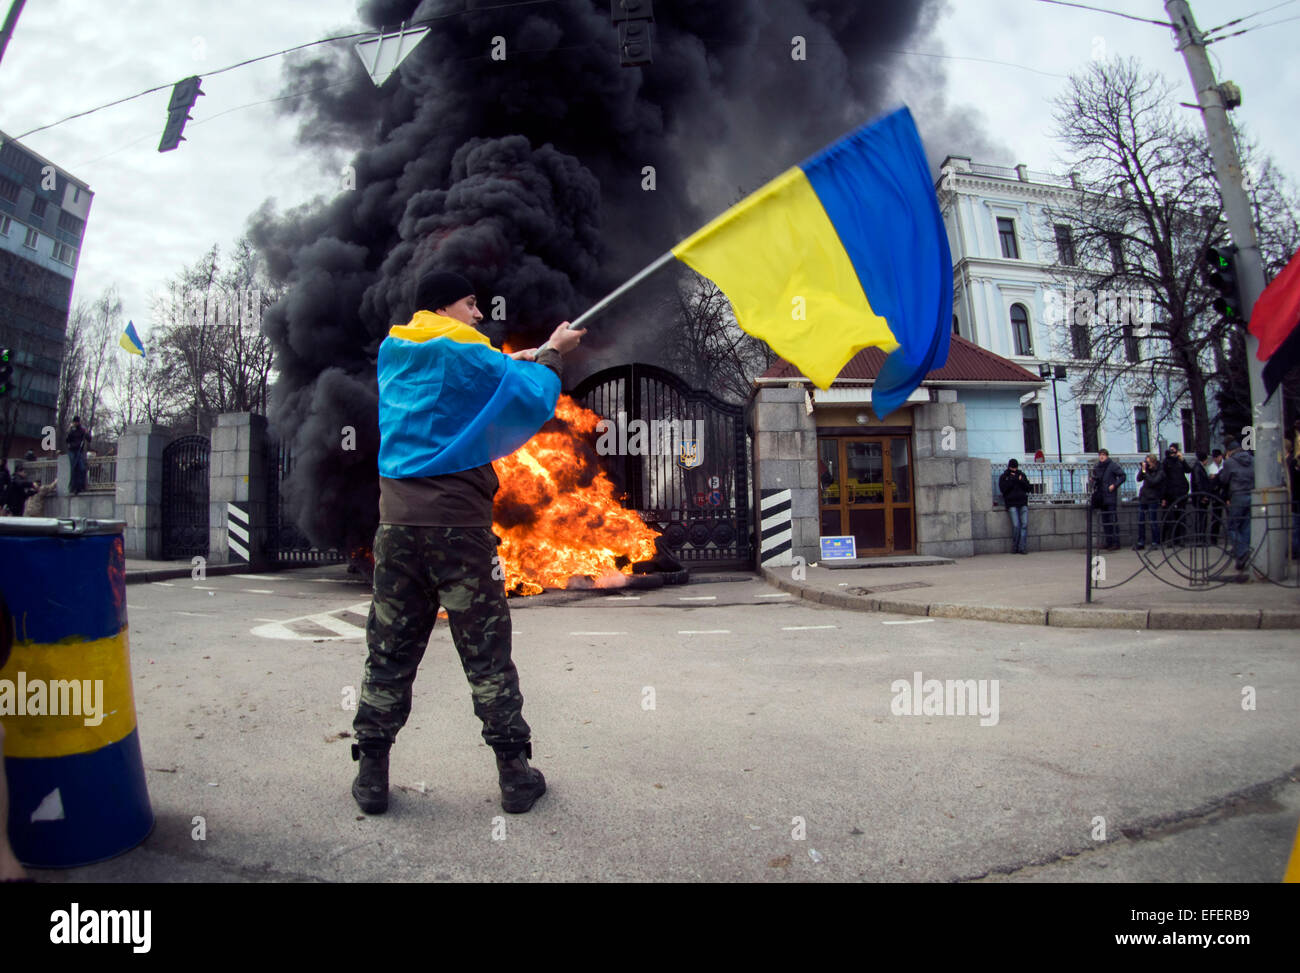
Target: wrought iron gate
<point>285,543</point>
<point>185,497</point>
<point>700,499</point>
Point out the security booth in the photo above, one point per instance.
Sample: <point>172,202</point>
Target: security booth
<point>825,465</point>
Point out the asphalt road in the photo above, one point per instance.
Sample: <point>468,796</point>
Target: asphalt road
<point>722,732</point>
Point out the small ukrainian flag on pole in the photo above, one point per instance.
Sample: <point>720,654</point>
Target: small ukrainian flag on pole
<point>131,341</point>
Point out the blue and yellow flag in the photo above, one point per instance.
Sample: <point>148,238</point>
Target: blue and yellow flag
<point>843,252</point>
<point>131,341</point>
<point>449,401</point>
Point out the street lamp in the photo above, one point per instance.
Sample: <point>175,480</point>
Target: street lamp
<point>1053,375</point>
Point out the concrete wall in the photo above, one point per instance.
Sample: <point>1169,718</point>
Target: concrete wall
<point>941,476</point>
<point>139,489</point>
<point>237,475</point>
<point>785,458</point>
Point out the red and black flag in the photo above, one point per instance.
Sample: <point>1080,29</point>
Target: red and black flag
<point>1275,321</point>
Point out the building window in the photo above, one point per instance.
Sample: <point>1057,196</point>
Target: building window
<point>38,207</point>
<point>76,194</point>
<point>1189,430</point>
<point>1080,341</point>
<point>32,237</point>
<point>1020,328</point>
<point>956,328</point>
<point>1116,246</point>
<point>1131,350</point>
<point>1033,428</point>
<point>1088,413</point>
<point>72,224</point>
<point>5,223</point>
<point>1064,245</point>
<point>1142,427</point>
<point>65,253</point>
<point>9,189</point>
<point>1007,237</point>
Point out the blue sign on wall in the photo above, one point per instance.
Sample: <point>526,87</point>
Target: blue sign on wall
<point>839,548</point>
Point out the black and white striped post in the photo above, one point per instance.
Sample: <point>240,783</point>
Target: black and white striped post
<point>776,529</point>
<point>237,532</point>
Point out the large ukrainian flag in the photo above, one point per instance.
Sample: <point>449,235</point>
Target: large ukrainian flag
<point>449,401</point>
<point>843,252</point>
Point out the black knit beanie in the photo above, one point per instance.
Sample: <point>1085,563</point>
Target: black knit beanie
<point>439,288</point>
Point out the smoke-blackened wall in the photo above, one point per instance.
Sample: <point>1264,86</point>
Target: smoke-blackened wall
<point>527,172</point>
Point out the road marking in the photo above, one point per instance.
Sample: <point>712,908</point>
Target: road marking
<point>258,591</point>
<point>325,620</point>
<point>196,614</point>
<point>697,597</point>
<point>805,628</point>
<point>199,587</point>
<point>163,584</point>
<point>909,621</point>
<point>706,631</point>
<point>331,581</point>
<point>622,597</point>
<point>780,594</point>
<point>258,577</point>
<point>598,633</point>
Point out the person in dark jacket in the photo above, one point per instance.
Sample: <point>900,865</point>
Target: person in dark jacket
<point>1203,497</point>
<point>20,488</point>
<point>1174,501</point>
<point>78,441</point>
<point>1150,496</point>
<point>1015,489</point>
<point>1237,478</point>
<point>1106,479</point>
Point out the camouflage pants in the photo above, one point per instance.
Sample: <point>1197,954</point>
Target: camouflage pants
<point>416,570</point>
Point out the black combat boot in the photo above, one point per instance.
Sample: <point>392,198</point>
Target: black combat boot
<point>521,785</point>
<point>371,786</point>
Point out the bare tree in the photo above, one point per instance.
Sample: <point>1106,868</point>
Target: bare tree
<point>709,348</point>
<point>1132,239</point>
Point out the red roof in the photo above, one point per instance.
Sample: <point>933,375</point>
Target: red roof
<point>967,362</point>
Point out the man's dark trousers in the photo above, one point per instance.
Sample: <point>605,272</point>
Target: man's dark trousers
<point>1110,520</point>
<point>416,570</point>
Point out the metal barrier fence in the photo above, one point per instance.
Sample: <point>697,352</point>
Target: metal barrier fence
<point>1188,545</point>
<point>1066,482</point>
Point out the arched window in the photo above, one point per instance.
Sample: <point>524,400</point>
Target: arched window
<point>956,328</point>
<point>1020,329</point>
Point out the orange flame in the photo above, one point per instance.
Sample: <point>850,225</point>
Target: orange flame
<point>557,513</point>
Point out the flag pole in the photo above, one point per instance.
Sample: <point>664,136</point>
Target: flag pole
<point>618,292</point>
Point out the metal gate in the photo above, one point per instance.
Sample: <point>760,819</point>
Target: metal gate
<point>185,497</point>
<point>285,543</point>
<point>680,461</point>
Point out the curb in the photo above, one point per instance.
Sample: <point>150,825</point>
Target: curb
<point>1190,618</point>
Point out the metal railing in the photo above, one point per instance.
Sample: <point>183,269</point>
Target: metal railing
<point>101,473</point>
<point>1066,482</point>
<point>1188,545</point>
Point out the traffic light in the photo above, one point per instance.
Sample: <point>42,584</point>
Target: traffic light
<point>633,18</point>
<point>178,112</point>
<point>1221,275</point>
<point>6,371</point>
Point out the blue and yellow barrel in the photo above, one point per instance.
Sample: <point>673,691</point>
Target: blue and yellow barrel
<point>77,790</point>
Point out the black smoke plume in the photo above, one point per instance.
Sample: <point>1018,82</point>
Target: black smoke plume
<point>528,175</point>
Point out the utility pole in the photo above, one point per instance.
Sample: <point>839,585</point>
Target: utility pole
<point>1270,496</point>
<point>10,22</point>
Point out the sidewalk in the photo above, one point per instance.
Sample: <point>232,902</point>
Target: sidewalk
<point>140,571</point>
<point>1045,589</point>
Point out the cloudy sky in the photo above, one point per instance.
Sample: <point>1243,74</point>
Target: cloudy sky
<point>157,212</point>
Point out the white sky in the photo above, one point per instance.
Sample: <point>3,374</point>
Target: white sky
<point>154,213</point>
